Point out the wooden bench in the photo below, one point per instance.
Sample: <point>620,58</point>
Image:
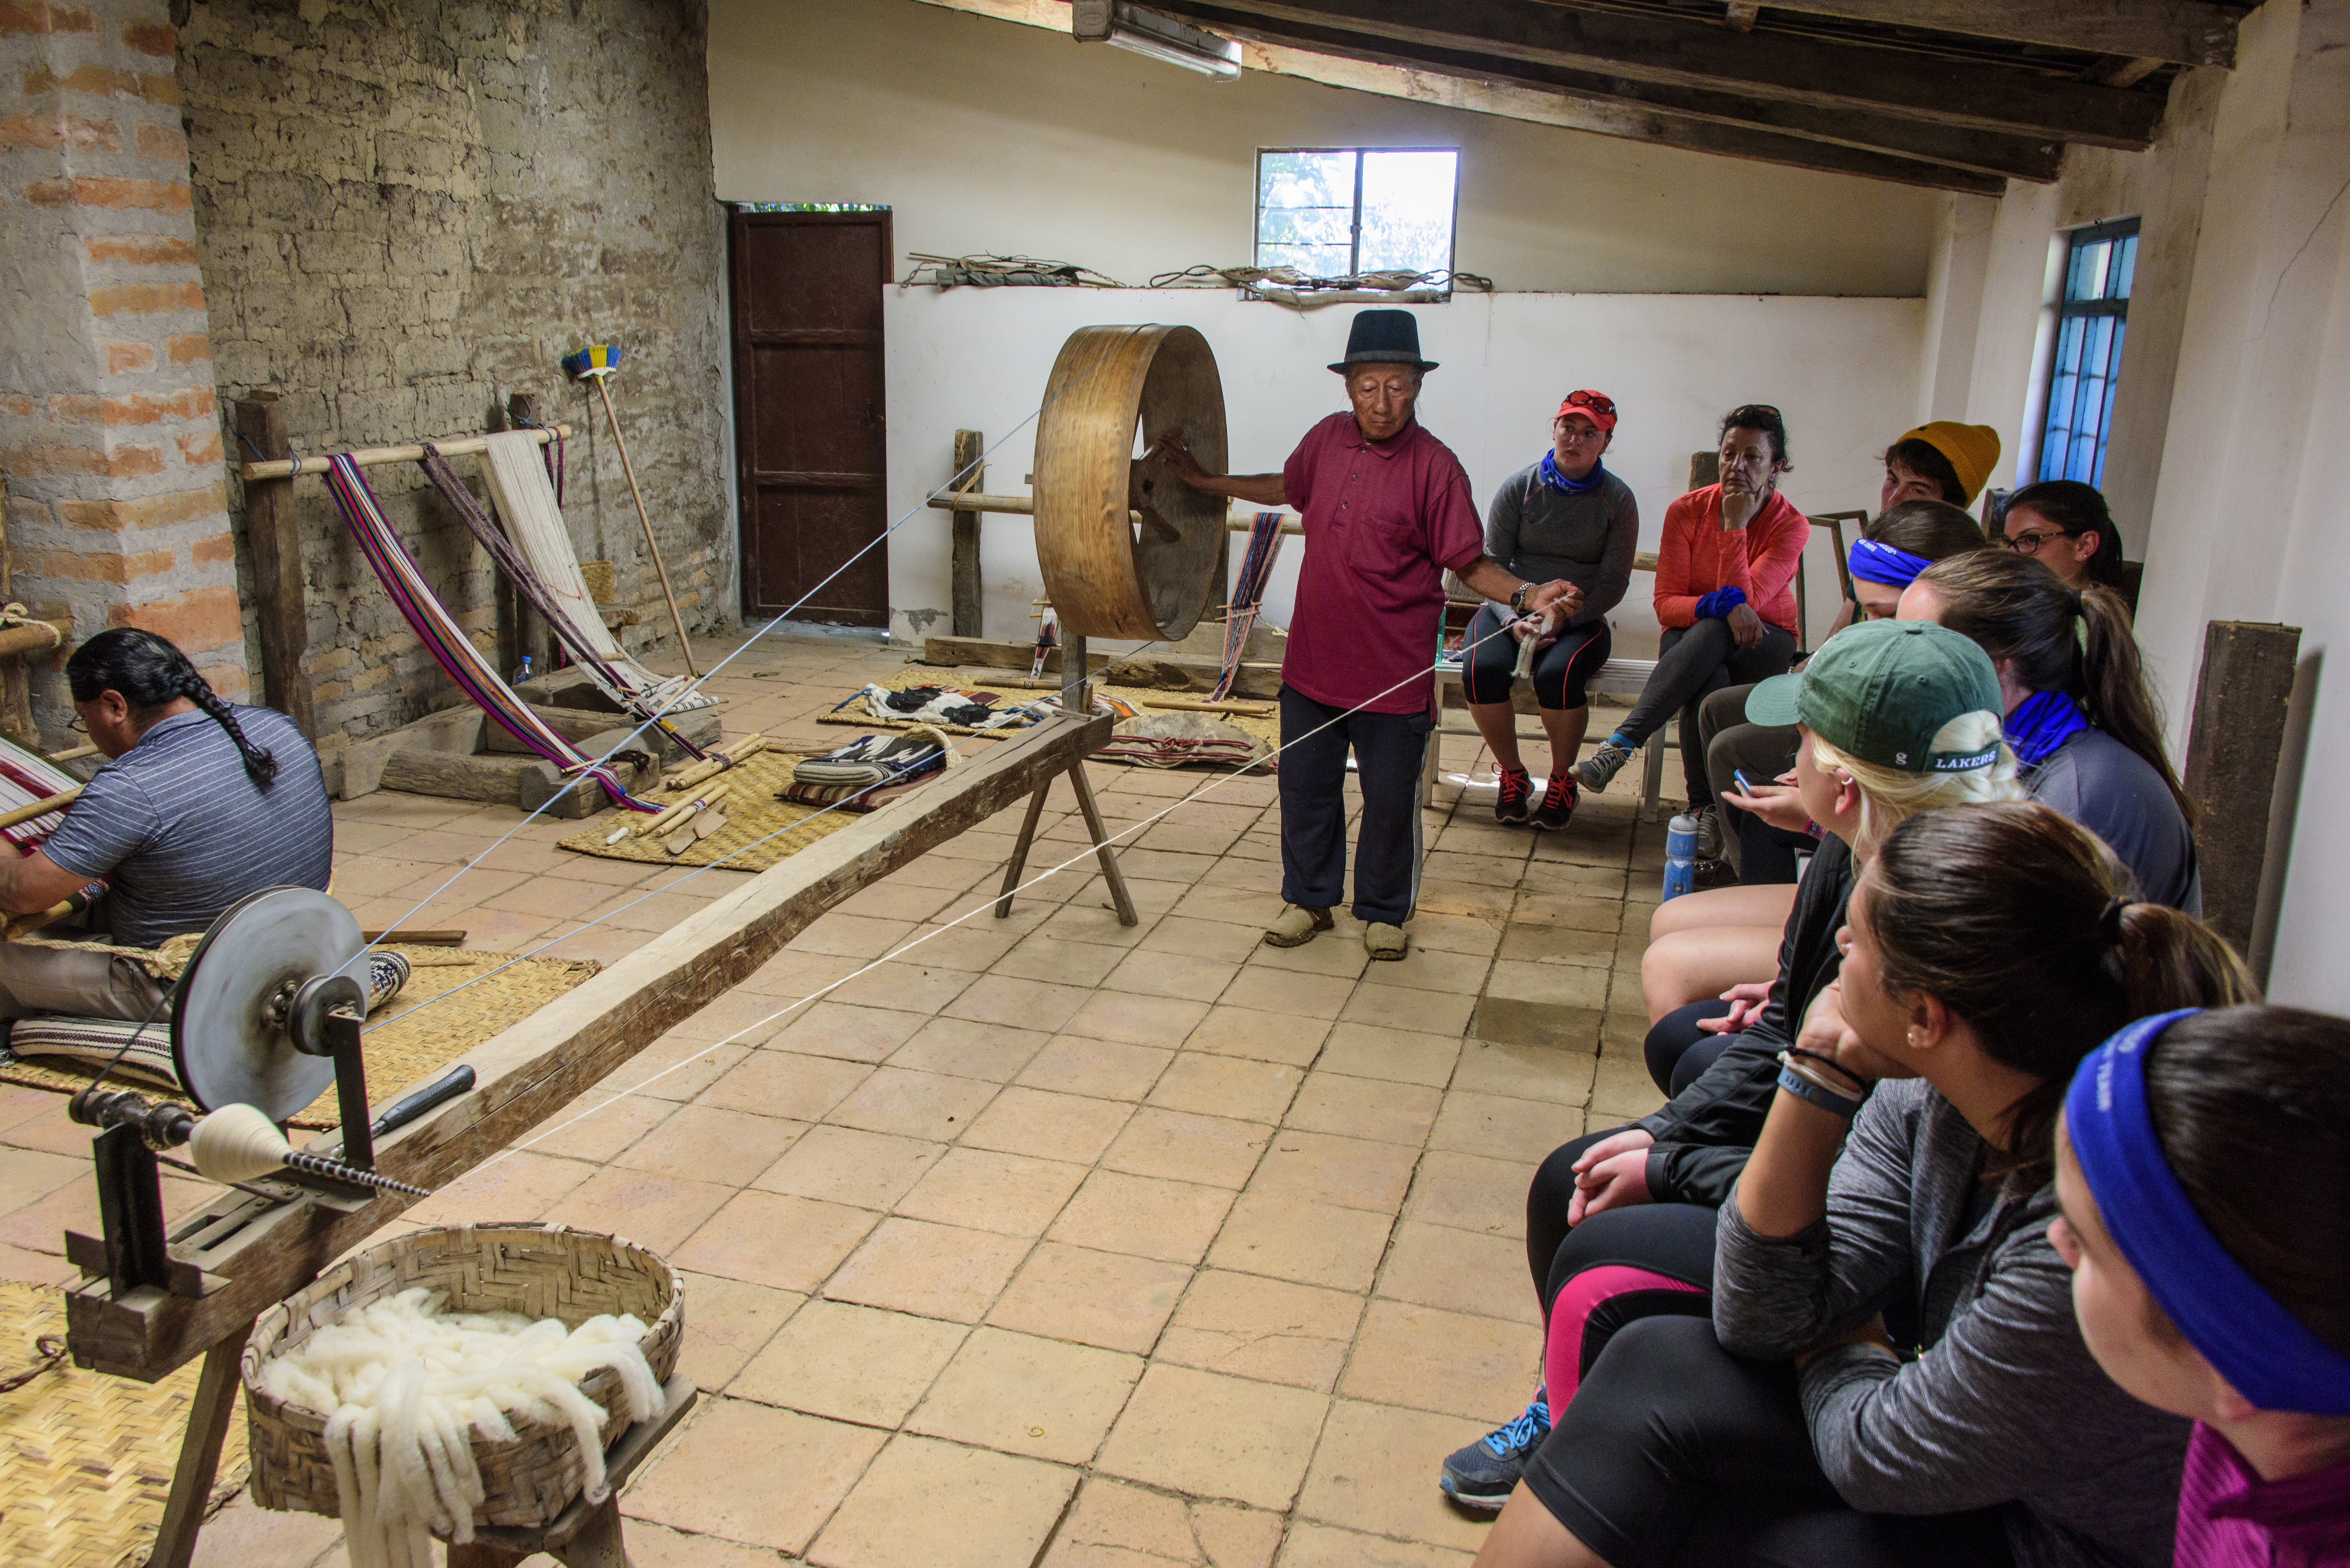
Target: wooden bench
<point>1622,677</point>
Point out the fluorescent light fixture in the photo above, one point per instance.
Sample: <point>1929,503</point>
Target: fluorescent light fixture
<point>1156,37</point>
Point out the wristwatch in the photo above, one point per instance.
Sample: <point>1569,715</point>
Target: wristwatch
<point>1518,598</point>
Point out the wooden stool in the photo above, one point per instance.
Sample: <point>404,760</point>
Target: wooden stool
<point>586,1534</point>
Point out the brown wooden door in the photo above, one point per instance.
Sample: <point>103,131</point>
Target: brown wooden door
<point>810,448</point>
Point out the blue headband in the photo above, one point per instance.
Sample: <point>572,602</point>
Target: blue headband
<point>1874,563</point>
<point>2266,1354</point>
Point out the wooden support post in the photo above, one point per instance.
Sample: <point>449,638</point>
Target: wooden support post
<point>2242,698</point>
<point>200,1451</point>
<point>281,605</point>
<point>1077,698</point>
<point>16,681</point>
<point>523,632</point>
<point>1119,899</point>
<point>969,474</point>
<point>1020,846</point>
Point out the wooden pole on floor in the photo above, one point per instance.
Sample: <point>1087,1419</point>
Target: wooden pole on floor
<point>274,546</point>
<point>2242,699</point>
<point>969,474</point>
<point>684,644</point>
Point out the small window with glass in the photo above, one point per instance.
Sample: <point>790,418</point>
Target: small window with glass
<point>2091,321</point>
<point>1338,212</point>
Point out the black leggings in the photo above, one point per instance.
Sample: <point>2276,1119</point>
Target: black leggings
<point>1667,1450</point>
<point>1560,670</point>
<point>1677,1050</point>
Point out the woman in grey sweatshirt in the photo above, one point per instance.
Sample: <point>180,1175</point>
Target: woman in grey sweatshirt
<point>1989,948</point>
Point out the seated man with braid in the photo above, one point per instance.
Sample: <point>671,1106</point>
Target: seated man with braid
<point>201,803</point>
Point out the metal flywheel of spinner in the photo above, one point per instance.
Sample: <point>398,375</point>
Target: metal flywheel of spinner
<point>265,1017</point>
<point>1126,549</point>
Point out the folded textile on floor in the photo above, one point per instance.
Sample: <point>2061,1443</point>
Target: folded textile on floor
<point>1172,740</point>
<point>146,1055</point>
<point>870,766</point>
<point>946,705</point>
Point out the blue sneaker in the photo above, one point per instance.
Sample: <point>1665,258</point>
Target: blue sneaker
<point>1482,1475</point>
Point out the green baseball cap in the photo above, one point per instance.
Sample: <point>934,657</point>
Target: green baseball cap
<point>1882,689</point>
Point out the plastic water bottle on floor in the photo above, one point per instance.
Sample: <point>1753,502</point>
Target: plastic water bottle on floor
<point>521,672</point>
<point>1680,854</point>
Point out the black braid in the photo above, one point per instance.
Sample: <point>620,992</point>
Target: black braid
<point>260,764</point>
<point>149,673</point>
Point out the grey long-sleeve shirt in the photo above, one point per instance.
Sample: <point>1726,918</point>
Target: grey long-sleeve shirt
<point>2003,1403</point>
<point>1588,540</point>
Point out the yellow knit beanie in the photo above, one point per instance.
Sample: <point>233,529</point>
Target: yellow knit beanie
<point>1973,452</point>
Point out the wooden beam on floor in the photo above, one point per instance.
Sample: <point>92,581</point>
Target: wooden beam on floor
<point>255,1251</point>
<point>1846,140</point>
<point>1765,64</point>
<point>2184,32</point>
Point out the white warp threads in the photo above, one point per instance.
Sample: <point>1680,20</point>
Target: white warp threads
<point>405,1385</point>
<point>525,499</point>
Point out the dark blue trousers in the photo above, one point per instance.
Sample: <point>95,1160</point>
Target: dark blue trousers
<point>1389,748</point>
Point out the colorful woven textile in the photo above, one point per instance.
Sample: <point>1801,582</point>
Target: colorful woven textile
<point>23,779</point>
<point>535,591</point>
<point>453,651</point>
<point>1248,594</point>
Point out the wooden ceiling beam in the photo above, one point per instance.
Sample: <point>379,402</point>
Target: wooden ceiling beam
<point>2175,32</point>
<point>1762,63</point>
<point>1935,148</point>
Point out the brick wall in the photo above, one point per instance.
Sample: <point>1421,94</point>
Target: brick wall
<point>405,214</point>
<point>109,430</point>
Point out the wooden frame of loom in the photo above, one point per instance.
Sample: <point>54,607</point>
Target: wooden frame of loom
<point>250,1254</point>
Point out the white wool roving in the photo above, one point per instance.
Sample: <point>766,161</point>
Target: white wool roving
<point>404,1384</point>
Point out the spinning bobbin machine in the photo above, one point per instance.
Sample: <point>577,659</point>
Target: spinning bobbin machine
<point>268,1011</point>
<point>265,1016</point>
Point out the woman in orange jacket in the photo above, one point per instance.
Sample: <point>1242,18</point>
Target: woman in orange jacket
<point>1725,595</point>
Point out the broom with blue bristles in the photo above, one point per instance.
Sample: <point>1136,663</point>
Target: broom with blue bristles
<point>596,363</point>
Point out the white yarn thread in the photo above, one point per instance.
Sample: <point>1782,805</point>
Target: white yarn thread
<point>405,1385</point>
<point>238,1143</point>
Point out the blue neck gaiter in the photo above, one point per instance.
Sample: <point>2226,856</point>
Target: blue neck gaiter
<point>1552,477</point>
<point>2042,723</point>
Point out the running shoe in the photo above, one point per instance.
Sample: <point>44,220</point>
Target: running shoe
<point>1594,771</point>
<point>1510,808</point>
<point>1482,1475</point>
<point>1557,802</point>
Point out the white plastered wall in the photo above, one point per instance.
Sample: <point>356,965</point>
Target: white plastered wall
<point>977,359</point>
<point>2224,467</point>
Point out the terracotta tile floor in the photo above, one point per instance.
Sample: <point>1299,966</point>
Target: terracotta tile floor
<point>1054,1240</point>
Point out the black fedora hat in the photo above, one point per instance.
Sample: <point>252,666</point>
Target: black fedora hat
<point>1384,338</point>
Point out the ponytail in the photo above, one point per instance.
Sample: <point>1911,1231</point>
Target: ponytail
<point>2057,639</point>
<point>2023,924</point>
<point>149,673</point>
<point>2113,678</point>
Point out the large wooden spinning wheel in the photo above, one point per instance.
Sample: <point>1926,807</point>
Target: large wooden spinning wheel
<point>1128,549</point>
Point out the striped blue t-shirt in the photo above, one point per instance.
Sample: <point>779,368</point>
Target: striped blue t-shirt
<point>186,832</point>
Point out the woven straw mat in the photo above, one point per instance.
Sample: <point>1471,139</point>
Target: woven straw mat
<point>1138,697</point>
<point>404,1044</point>
<point>763,829</point>
<point>86,1460</point>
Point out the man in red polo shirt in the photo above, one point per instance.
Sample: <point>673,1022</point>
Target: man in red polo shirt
<point>1387,511</point>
